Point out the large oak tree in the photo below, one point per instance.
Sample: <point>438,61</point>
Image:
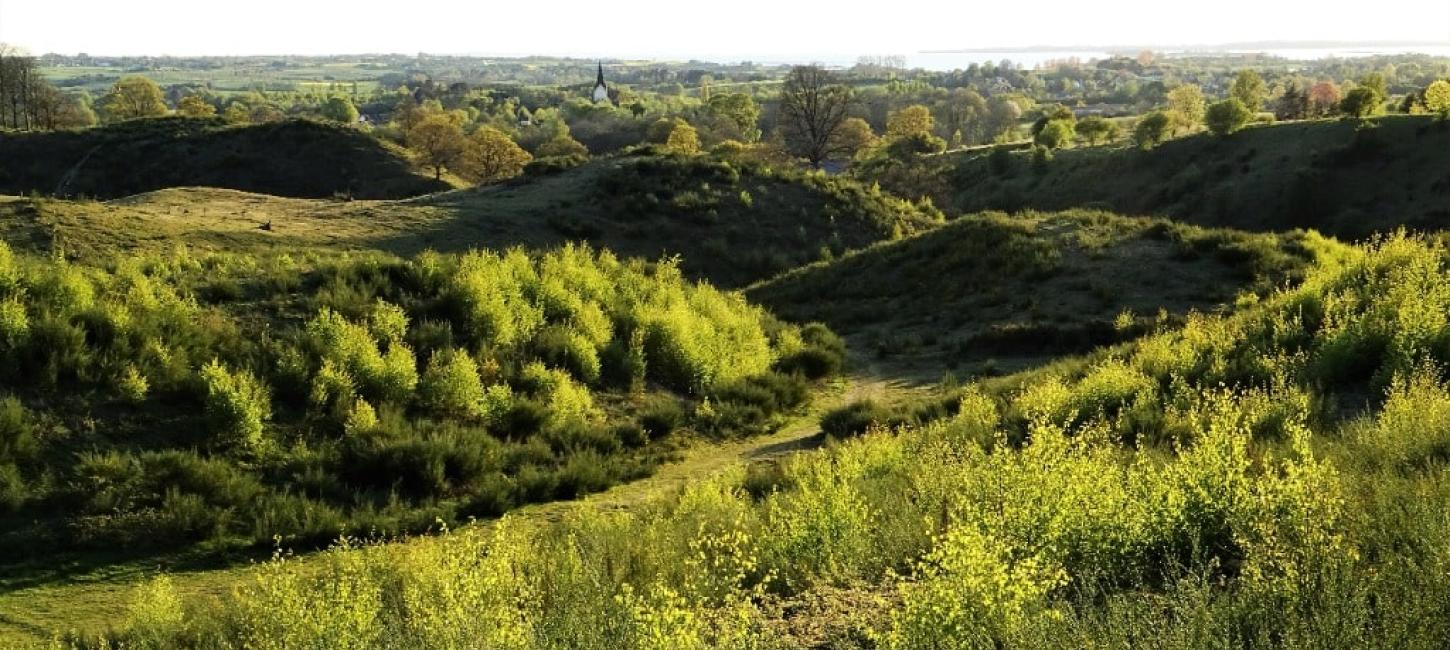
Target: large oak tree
<point>813,104</point>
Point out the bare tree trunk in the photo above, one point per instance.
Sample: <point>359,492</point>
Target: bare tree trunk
<point>4,89</point>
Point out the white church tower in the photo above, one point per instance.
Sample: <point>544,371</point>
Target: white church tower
<point>601,91</point>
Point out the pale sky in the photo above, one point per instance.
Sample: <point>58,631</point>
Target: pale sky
<point>725,30</point>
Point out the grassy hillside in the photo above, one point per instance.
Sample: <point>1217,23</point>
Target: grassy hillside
<point>1026,287</point>
<point>1270,479</point>
<point>294,158</point>
<point>1332,176</point>
<point>730,223</point>
<point>163,402</point>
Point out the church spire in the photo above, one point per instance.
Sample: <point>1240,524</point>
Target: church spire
<point>601,91</point>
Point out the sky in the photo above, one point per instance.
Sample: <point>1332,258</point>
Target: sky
<point>730,30</point>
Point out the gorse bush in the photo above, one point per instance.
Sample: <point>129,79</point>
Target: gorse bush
<point>358,392</point>
<point>1196,489</point>
<point>237,406</point>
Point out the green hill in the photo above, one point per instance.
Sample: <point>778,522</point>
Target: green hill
<point>1265,480</point>
<point>1328,175</point>
<point>730,223</point>
<point>294,158</point>
<point>1031,286</point>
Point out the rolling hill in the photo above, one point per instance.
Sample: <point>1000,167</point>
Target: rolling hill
<point>296,158</point>
<point>730,223</point>
<point>1330,175</point>
<point>1024,288</point>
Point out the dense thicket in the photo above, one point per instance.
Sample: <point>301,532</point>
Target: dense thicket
<point>168,399</point>
<point>1212,486</point>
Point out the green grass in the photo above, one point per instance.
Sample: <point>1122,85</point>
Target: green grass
<point>1220,484</point>
<point>1328,175</point>
<point>637,206</point>
<point>296,158</point>
<point>991,293</point>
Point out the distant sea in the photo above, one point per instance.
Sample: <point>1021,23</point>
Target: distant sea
<point>1034,58</point>
<point>1031,58</point>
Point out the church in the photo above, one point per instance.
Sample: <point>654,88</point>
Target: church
<point>601,91</point>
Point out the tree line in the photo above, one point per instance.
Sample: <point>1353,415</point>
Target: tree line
<point>29,102</point>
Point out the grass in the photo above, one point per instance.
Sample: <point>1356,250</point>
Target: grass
<point>992,293</point>
<point>1200,489</point>
<point>297,158</point>
<point>1329,175</point>
<point>689,208</point>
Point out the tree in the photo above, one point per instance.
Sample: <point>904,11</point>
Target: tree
<point>340,109</point>
<point>812,107</point>
<point>1361,102</point>
<point>1055,134</point>
<point>195,106</point>
<point>910,121</point>
<point>741,110</point>
<point>131,98</point>
<point>562,145</point>
<point>1053,112</point>
<point>854,135</point>
<point>910,146</point>
<point>491,155</point>
<point>1324,98</point>
<point>1248,87</point>
<point>1152,129</point>
<point>1097,128</point>
<point>1293,104</point>
<point>437,142</point>
<point>1228,116</point>
<point>1186,106</point>
<point>237,113</point>
<point>659,131</point>
<point>1437,98</point>
<point>683,139</point>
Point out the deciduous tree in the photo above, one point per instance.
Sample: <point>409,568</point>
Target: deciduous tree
<point>132,98</point>
<point>1152,129</point>
<point>437,143</point>
<point>1248,87</point>
<point>1055,134</point>
<point>1324,98</point>
<point>854,135</point>
<point>195,106</point>
<point>1437,98</point>
<point>1096,128</point>
<point>340,109</point>
<point>1186,106</point>
<point>1361,102</point>
<point>683,139</point>
<point>491,155</point>
<point>813,106</point>
<point>1227,116</point>
<point>910,121</point>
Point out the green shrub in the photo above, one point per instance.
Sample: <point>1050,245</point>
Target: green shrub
<point>17,437</point>
<point>237,406</point>
<point>660,417</point>
<point>451,386</point>
<point>854,419</point>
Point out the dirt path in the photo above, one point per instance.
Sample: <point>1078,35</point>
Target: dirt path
<point>99,599</point>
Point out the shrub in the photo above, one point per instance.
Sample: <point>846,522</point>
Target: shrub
<point>451,386</point>
<point>661,416</point>
<point>17,438</point>
<point>854,419</point>
<point>237,406</point>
